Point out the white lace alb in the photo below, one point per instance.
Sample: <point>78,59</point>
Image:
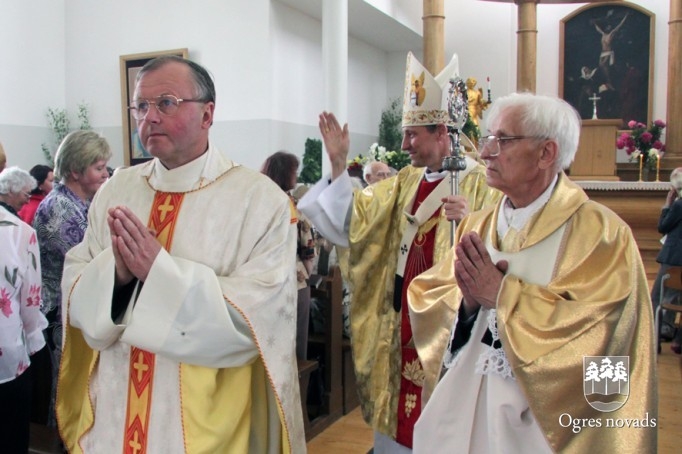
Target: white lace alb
<point>493,360</point>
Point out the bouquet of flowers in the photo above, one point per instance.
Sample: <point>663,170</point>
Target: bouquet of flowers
<point>395,159</point>
<point>643,141</point>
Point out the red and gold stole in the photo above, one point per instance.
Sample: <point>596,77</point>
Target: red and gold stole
<point>162,220</point>
<point>419,259</point>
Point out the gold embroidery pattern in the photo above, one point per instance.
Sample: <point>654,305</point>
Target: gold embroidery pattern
<point>413,372</point>
<point>425,117</point>
<point>410,403</point>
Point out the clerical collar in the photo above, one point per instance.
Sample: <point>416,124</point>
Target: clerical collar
<point>432,176</point>
<point>186,177</point>
<point>517,218</point>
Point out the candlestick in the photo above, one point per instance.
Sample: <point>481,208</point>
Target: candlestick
<point>640,166</point>
<point>658,166</point>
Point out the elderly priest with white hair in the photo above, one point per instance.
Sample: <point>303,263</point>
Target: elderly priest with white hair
<point>548,305</point>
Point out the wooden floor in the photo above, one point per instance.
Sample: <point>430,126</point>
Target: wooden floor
<point>350,434</point>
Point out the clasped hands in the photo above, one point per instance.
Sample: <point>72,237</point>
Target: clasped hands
<point>135,246</point>
<point>477,276</point>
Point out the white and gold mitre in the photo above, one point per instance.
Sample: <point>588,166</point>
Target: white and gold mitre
<point>425,99</point>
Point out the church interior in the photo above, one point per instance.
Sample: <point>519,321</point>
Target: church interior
<point>278,63</point>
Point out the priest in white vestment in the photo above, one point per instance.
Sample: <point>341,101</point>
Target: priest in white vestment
<point>182,296</point>
<point>534,285</point>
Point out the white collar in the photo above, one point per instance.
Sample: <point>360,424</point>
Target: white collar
<point>517,218</point>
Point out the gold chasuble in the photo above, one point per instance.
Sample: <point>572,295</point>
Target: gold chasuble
<point>203,358</point>
<point>596,304</point>
<point>388,370</point>
<point>164,213</point>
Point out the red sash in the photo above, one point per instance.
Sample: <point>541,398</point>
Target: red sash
<point>419,259</point>
<point>162,219</point>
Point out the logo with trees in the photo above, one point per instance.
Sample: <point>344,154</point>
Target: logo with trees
<point>606,382</point>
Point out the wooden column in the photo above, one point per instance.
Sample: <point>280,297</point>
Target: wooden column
<point>673,135</point>
<point>434,35</point>
<point>526,45</point>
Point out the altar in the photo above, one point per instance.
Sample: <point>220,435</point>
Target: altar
<point>639,204</point>
<point>596,155</point>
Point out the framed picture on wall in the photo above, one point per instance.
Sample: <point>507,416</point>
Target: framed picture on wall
<point>607,57</point>
<point>134,152</point>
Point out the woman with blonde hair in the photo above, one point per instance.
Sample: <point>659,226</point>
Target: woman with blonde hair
<point>80,168</point>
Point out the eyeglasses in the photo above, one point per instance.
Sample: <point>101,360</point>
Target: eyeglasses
<point>494,144</point>
<point>166,104</point>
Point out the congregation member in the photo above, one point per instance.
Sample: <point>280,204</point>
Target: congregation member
<point>376,171</point>
<point>534,285</point>
<point>181,299</point>
<point>21,322</point>
<point>282,167</point>
<point>3,158</point>
<point>60,222</point>
<point>670,225</point>
<point>15,189</point>
<point>397,229</point>
<point>45,178</point>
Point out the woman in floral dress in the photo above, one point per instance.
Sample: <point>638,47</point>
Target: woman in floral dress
<point>60,222</point>
<point>21,322</point>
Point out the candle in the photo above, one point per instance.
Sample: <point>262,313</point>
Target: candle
<point>640,166</point>
<point>658,165</point>
<point>488,79</point>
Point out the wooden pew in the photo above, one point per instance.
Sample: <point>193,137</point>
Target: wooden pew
<point>330,347</point>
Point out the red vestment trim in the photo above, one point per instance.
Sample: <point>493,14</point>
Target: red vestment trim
<point>419,259</point>
<point>162,220</point>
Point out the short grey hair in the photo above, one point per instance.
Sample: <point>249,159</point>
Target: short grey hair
<point>543,116</point>
<point>14,180</point>
<point>676,179</point>
<point>204,88</point>
<point>78,151</point>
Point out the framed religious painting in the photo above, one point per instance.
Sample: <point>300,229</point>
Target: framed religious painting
<point>134,152</point>
<point>607,61</point>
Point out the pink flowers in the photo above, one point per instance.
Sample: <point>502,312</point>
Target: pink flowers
<point>33,296</point>
<point>643,141</point>
<point>5,303</point>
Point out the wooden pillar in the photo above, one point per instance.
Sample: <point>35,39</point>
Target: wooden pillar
<point>526,45</point>
<point>434,35</point>
<point>673,136</point>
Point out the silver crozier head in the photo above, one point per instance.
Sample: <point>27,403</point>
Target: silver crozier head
<point>458,111</point>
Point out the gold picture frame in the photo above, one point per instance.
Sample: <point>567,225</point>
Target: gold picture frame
<point>130,65</point>
<point>607,51</point>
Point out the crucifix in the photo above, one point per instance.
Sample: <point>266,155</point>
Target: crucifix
<point>594,100</point>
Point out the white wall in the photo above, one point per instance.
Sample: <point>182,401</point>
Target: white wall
<point>31,75</point>
<point>266,59</point>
